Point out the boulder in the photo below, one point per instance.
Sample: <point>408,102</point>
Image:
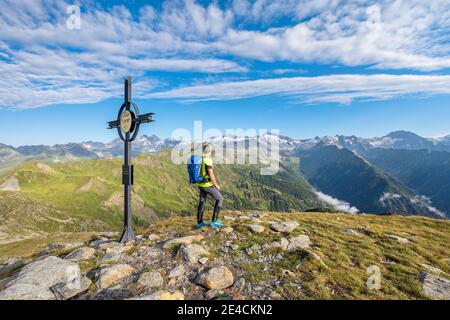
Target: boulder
<point>287,226</point>
<point>83,253</point>
<point>150,280</point>
<point>256,228</point>
<point>434,287</point>
<point>300,242</point>
<point>216,278</point>
<point>183,240</point>
<point>203,261</point>
<point>35,280</point>
<point>192,252</point>
<point>112,274</point>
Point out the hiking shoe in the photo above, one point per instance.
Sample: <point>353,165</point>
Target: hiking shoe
<point>200,225</point>
<point>216,224</point>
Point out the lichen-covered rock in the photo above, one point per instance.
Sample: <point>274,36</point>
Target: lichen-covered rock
<point>216,278</point>
<point>287,226</point>
<point>192,252</point>
<point>150,280</point>
<point>112,274</point>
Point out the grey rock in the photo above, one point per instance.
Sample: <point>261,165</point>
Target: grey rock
<point>287,226</point>
<point>435,287</point>
<point>35,280</point>
<point>216,278</point>
<point>192,252</point>
<point>256,228</point>
<point>151,280</point>
<point>177,272</point>
<point>110,275</point>
<point>300,242</point>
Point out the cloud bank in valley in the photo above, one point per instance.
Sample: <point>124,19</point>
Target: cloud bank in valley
<point>336,203</point>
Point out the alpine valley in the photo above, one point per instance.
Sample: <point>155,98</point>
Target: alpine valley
<point>76,186</point>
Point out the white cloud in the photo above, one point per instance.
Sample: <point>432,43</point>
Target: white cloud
<point>334,88</point>
<point>336,203</point>
<point>424,200</point>
<point>49,63</point>
<point>387,196</point>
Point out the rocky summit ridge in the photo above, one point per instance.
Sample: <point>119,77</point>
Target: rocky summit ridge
<point>255,256</point>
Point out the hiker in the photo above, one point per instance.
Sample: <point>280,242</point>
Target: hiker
<point>209,186</point>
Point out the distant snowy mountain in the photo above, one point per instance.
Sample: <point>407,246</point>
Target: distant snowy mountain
<point>287,146</point>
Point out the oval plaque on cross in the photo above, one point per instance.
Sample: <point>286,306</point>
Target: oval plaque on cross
<point>126,121</point>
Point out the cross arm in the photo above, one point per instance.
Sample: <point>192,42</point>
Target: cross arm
<point>113,124</point>
<point>148,117</point>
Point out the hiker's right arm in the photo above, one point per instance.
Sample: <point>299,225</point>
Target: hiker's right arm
<point>213,178</point>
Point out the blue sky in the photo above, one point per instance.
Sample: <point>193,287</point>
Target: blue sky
<point>306,68</point>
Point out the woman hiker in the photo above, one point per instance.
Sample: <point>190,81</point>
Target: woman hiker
<point>211,187</point>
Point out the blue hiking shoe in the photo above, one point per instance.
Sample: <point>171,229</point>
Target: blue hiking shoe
<point>216,224</point>
<point>200,225</point>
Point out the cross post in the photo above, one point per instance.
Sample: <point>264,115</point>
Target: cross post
<point>127,125</point>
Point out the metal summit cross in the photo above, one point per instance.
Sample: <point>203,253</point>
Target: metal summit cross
<point>127,124</point>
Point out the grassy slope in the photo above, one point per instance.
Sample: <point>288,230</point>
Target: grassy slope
<point>346,256</point>
<point>80,189</point>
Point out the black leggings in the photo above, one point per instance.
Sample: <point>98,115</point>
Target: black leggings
<point>201,204</point>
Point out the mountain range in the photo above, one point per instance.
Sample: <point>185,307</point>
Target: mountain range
<point>77,187</point>
<point>97,150</point>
